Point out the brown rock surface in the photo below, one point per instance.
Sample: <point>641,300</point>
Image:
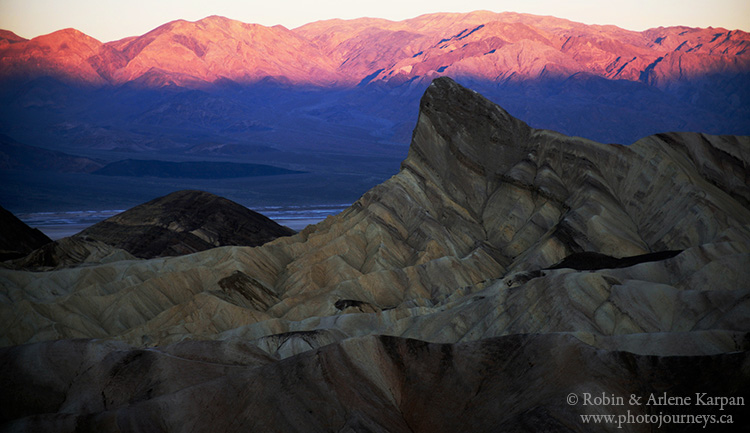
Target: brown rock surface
<point>482,204</point>
<point>68,252</point>
<point>370,384</point>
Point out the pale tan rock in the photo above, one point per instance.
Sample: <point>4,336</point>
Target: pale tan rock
<point>481,197</point>
<point>447,298</point>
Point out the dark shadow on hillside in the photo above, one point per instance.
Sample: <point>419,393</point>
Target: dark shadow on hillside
<point>591,261</point>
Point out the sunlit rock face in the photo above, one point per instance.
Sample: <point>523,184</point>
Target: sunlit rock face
<point>182,53</point>
<point>482,45</point>
<point>500,270</point>
<point>352,86</point>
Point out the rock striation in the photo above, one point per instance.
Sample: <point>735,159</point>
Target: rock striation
<point>501,269</point>
<point>482,201</point>
<point>70,252</point>
<point>184,222</point>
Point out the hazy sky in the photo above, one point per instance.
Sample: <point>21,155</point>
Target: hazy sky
<point>109,20</point>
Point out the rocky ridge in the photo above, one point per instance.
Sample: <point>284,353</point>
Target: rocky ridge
<point>69,252</point>
<point>16,238</point>
<point>373,384</point>
<point>438,283</point>
<point>179,52</point>
<point>497,47</point>
<point>184,222</point>
<point>483,45</point>
<point>482,203</point>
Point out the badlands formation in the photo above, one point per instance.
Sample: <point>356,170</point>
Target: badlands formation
<point>184,222</point>
<point>502,269</point>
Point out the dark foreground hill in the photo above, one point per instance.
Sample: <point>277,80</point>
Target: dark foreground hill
<point>184,222</point>
<point>16,238</point>
<point>429,305</point>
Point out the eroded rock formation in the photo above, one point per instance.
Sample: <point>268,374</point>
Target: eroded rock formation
<point>432,303</point>
<point>184,222</point>
<point>371,384</point>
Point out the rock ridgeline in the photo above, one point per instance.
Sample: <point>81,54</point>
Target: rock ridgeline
<point>551,71</point>
<point>184,222</point>
<point>468,249</point>
<point>488,46</point>
<point>179,223</point>
<point>373,384</point>
<point>69,252</point>
<point>481,198</point>
<point>16,238</point>
<point>15,156</point>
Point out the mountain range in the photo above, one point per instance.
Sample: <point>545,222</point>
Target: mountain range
<point>449,297</point>
<point>337,99</point>
<point>589,237</point>
<point>487,46</point>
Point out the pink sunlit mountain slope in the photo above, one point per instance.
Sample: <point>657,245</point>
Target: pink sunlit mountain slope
<point>65,54</point>
<point>482,45</point>
<point>501,46</point>
<point>184,53</point>
<point>337,99</point>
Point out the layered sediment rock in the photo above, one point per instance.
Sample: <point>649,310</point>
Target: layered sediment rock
<point>369,384</point>
<point>69,252</point>
<point>184,222</point>
<point>481,198</point>
<point>474,248</point>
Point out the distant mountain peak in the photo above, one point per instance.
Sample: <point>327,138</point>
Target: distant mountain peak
<point>522,46</point>
<point>59,37</point>
<point>669,78</point>
<point>10,37</point>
